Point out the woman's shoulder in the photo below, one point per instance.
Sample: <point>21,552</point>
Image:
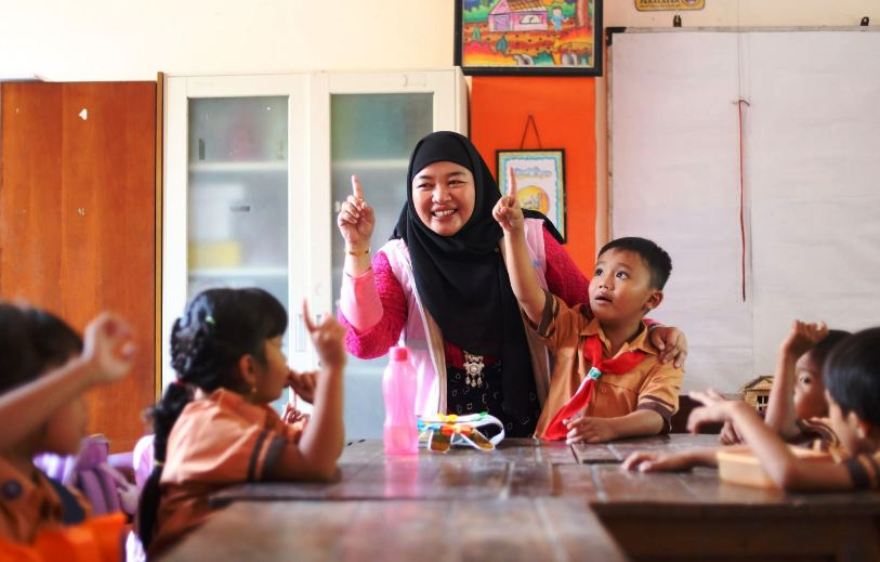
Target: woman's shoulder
<point>396,255</point>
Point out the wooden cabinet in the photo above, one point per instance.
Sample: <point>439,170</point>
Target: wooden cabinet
<point>78,220</point>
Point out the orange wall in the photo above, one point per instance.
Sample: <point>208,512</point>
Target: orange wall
<point>565,114</point>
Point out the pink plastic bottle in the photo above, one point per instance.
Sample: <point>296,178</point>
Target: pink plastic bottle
<point>401,434</point>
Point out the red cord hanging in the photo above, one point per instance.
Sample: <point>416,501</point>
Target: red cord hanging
<point>742,196</point>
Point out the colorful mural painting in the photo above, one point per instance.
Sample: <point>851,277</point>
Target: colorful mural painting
<point>529,37</point>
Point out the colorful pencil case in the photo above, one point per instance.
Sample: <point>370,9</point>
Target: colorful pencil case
<point>442,431</point>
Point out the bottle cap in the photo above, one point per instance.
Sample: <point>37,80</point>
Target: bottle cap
<point>399,354</point>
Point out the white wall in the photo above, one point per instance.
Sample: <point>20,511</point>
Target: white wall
<point>135,39</point>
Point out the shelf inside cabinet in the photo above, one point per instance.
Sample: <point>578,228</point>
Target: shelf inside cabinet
<point>372,164</point>
<point>238,272</point>
<point>279,166</point>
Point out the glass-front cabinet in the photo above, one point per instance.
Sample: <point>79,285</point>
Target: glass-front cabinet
<point>255,170</point>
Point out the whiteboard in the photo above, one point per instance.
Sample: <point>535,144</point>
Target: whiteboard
<point>811,156</point>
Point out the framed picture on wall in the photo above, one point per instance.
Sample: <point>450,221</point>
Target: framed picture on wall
<point>529,37</point>
<point>540,181</point>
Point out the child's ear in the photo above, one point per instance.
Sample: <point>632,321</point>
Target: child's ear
<point>247,369</point>
<point>654,300</point>
<point>861,427</point>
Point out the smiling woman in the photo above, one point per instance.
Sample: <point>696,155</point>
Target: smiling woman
<point>441,284</point>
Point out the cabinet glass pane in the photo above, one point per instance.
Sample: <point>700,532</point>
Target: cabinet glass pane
<point>237,217</point>
<point>372,136</point>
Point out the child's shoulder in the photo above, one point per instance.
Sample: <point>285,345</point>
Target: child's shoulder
<point>30,501</point>
<point>864,469</point>
<point>219,411</point>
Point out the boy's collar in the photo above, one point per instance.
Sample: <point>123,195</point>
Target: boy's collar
<point>641,342</point>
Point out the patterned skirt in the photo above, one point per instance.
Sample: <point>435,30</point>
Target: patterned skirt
<point>462,399</point>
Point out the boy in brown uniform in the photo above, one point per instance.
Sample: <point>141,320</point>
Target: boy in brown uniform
<point>608,381</point>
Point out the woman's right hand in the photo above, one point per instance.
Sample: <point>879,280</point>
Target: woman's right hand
<point>356,220</point>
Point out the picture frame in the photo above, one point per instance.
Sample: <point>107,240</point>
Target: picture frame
<point>529,37</point>
<point>540,180</point>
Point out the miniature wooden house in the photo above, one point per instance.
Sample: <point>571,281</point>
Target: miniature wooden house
<point>756,392</point>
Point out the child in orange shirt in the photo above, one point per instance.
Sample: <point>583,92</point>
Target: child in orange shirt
<point>797,409</point>
<point>44,370</point>
<point>852,380</point>
<point>214,426</point>
<point>608,381</point>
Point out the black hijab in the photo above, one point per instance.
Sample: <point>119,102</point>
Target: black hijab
<point>461,279</point>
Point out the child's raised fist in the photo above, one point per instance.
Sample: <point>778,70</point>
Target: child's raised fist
<point>803,337</point>
<point>108,348</point>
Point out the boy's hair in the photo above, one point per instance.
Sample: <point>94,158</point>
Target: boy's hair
<point>852,375</point>
<point>217,328</point>
<point>32,341</point>
<point>659,262</point>
<point>820,351</point>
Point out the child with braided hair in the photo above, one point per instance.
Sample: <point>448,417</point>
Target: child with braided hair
<point>214,426</point>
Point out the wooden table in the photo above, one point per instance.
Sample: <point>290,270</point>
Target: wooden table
<point>530,501</point>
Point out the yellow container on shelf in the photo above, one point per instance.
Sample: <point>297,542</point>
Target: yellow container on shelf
<point>742,467</point>
<point>205,255</point>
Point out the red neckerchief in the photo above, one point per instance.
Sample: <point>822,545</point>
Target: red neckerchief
<point>621,364</point>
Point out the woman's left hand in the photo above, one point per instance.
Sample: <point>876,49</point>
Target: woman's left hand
<point>672,344</point>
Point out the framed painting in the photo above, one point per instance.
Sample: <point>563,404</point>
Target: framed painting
<point>529,37</point>
<point>540,181</point>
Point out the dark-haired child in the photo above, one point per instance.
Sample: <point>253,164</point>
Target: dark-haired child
<point>608,381</point>
<point>214,426</point>
<point>797,409</point>
<point>44,369</point>
<point>852,381</point>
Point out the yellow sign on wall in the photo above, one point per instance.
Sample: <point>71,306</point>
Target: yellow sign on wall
<point>670,5</point>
